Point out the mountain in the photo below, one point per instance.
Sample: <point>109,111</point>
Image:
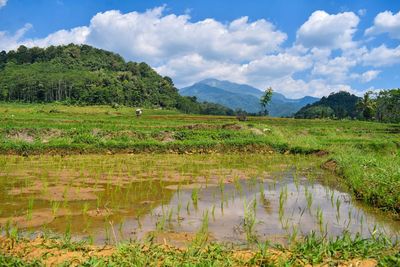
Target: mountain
<point>81,74</point>
<point>336,105</point>
<point>245,97</point>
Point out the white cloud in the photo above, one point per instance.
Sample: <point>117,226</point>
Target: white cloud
<point>277,65</point>
<point>386,22</point>
<point>76,35</point>
<point>155,38</point>
<point>316,87</point>
<point>8,42</point>
<point>382,56</point>
<point>242,51</point>
<point>335,69</point>
<point>369,75</point>
<point>366,76</point>
<point>323,30</point>
<point>3,3</point>
<point>193,67</point>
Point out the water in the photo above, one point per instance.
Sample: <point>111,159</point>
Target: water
<point>284,200</point>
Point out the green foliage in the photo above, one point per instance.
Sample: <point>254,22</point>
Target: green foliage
<point>383,106</point>
<point>367,106</point>
<point>388,106</point>
<point>343,105</point>
<point>265,99</point>
<point>81,74</point>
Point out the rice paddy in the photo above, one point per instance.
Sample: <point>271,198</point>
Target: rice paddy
<point>234,198</point>
<point>273,191</point>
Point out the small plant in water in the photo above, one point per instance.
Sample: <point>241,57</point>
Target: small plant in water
<point>54,207</point>
<point>195,196</point>
<point>30,209</point>
<point>249,222</point>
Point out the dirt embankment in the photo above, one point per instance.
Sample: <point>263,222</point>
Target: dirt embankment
<point>53,252</point>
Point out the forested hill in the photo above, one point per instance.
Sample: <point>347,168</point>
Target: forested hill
<point>82,74</point>
<point>336,105</point>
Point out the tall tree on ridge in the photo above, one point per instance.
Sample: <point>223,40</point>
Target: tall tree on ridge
<point>265,99</point>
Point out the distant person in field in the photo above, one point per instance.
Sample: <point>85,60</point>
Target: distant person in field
<point>139,112</point>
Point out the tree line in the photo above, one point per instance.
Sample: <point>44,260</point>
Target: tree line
<point>383,106</point>
<point>81,74</point>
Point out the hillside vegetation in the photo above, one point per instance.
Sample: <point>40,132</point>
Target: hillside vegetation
<point>383,106</point>
<point>340,105</point>
<point>81,74</point>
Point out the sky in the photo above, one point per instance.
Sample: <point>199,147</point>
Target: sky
<point>298,47</point>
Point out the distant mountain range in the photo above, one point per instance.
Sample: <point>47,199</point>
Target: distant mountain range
<point>245,97</point>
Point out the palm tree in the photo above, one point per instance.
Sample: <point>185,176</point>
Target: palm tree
<point>265,99</point>
<point>367,105</point>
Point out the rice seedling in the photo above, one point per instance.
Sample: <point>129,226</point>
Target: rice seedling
<point>30,209</point>
<point>249,222</point>
<point>195,196</point>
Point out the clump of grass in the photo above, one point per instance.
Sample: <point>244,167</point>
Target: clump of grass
<point>249,221</point>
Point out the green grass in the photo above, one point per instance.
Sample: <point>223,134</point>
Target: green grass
<point>310,250</point>
<point>367,153</point>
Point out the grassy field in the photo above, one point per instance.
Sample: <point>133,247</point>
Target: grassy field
<point>45,142</point>
<point>365,154</point>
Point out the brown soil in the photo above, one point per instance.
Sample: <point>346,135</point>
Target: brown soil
<point>49,134</point>
<point>321,153</point>
<point>37,217</point>
<point>99,213</point>
<point>256,131</point>
<point>330,165</point>
<point>201,127</point>
<point>50,253</point>
<point>166,137</point>
<point>233,126</point>
<point>175,239</point>
<point>59,192</point>
<point>21,135</point>
<point>62,193</point>
<point>351,263</point>
<point>359,263</point>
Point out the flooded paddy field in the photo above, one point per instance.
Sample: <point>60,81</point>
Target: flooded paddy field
<point>230,198</point>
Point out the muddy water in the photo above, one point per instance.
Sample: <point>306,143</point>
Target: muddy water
<point>233,198</point>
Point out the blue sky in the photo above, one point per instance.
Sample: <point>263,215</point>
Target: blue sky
<point>299,47</point>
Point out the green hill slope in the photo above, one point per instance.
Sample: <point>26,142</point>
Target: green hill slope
<point>338,105</point>
<point>81,74</point>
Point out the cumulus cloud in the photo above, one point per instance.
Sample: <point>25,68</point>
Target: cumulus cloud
<point>241,50</point>
<point>323,30</point>
<point>386,22</point>
<point>366,76</point>
<point>369,75</point>
<point>155,38</point>
<point>336,69</point>
<point>3,3</point>
<point>315,87</point>
<point>382,56</point>
<point>8,42</point>
<point>76,35</point>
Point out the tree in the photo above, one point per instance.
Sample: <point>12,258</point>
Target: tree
<point>388,106</point>
<point>265,99</point>
<point>367,106</point>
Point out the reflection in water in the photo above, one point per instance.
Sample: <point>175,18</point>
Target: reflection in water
<point>331,212</point>
<point>129,204</point>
